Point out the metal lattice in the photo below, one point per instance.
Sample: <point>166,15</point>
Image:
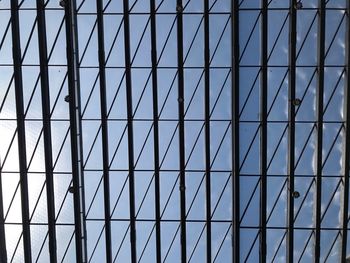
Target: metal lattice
<point>174,130</point>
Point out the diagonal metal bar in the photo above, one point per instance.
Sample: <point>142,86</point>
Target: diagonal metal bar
<point>305,246</point>
<point>22,154</point>
<point>3,252</point>
<point>155,130</point>
<point>319,126</point>
<point>250,36</point>
<point>346,151</point>
<point>222,243</point>
<point>327,154</point>
<point>146,243</point>
<point>331,200</point>
<point>277,93</point>
<point>251,247</point>
<point>277,147</point>
<point>250,200</point>
<point>56,39</point>
<point>5,34</point>
<point>114,40</point>
<point>104,130</point>
<point>278,247</point>
<point>304,146</point>
<point>130,130</point>
<point>88,41</point>
<point>197,243</point>
<point>207,129</point>
<point>16,247</point>
<point>194,38</point>
<point>180,63</point>
<point>334,35</point>
<point>221,195</point>
<point>341,76</point>
<point>121,244</point>
<point>235,51</point>
<point>306,35</point>
<point>278,36</point>
<point>90,96</point>
<point>291,133</point>
<point>263,130</point>
<point>220,39</point>
<point>45,101</point>
<point>171,243</point>
<point>75,131</point>
<point>332,246</point>
<point>277,199</point>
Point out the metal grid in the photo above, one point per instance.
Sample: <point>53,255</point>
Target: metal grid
<point>167,131</point>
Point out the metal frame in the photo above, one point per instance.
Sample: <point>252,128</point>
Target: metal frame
<point>104,124</point>
<point>181,114</point>
<point>75,131</point>
<point>235,132</point>
<point>18,81</point>
<point>263,129</point>
<point>291,124</point>
<point>3,252</point>
<point>130,131</point>
<point>319,125</point>
<point>346,151</point>
<point>156,130</point>
<point>207,129</point>
<point>158,96</point>
<point>44,75</point>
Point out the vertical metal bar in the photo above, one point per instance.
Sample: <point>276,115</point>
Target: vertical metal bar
<point>130,130</point>
<point>207,126</point>
<point>75,131</point>
<point>346,153</point>
<point>235,130</point>
<point>263,130</point>
<point>3,252</point>
<point>45,101</point>
<point>104,129</point>
<point>155,129</point>
<point>22,155</point>
<point>319,111</point>
<point>180,69</point>
<point>291,123</point>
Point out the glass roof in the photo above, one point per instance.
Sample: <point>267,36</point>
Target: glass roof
<point>174,130</point>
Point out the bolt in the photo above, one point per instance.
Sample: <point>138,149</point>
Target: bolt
<point>63,3</point>
<point>296,102</point>
<point>66,98</point>
<point>296,194</point>
<point>179,8</point>
<point>71,189</point>
<point>299,5</point>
